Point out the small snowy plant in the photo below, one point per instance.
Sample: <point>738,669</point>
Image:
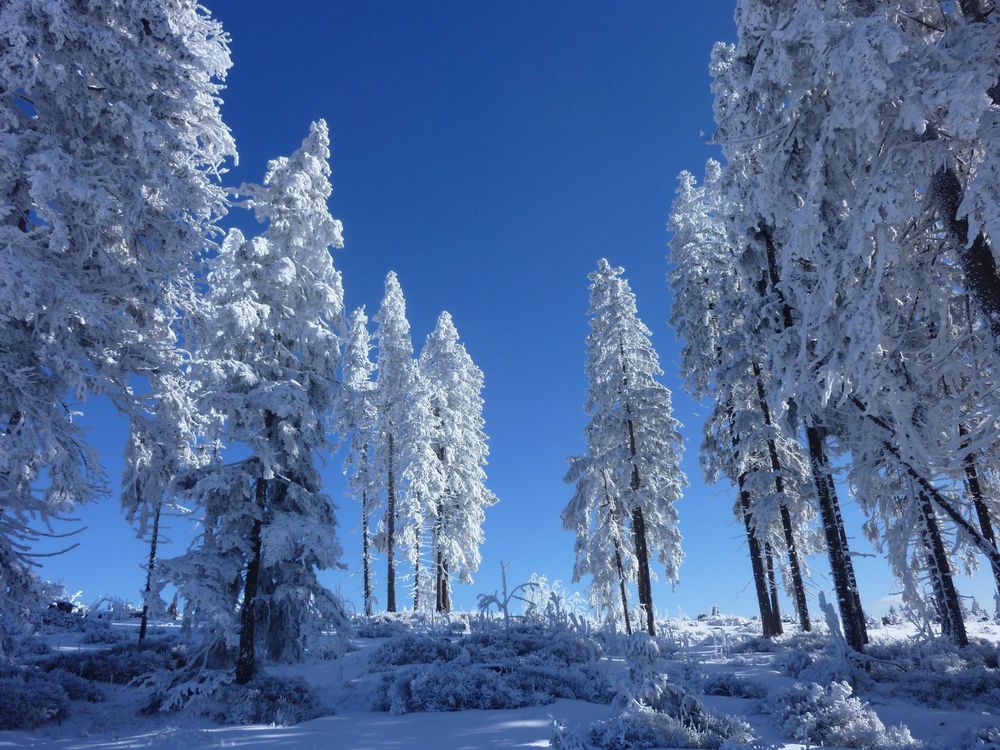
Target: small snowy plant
<point>834,716</point>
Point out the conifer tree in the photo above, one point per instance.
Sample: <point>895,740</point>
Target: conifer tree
<point>632,431</point>
<point>455,386</point>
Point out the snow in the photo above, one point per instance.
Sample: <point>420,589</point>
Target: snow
<point>719,651</point>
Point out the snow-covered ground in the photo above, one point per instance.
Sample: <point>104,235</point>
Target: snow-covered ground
<point>707,659</point>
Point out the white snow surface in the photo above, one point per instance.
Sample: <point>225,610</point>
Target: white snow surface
<point>706,646</point>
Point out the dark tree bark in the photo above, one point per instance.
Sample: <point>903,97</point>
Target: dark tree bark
<point>622,588</point>
<point>390,532</point>
<point>757,564</point>
<point>975,487</point>
<point>366,554</point>
<point>246,661</point>
<point>847,599</point>
<point>794,566</point>
<point>772,587</point>
<point>952,622</point>
<point>978,263</point>
<point>642,556</point>
<point>416,576</point>
<point>150,566</point>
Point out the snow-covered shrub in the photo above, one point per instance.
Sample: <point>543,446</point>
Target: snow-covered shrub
<point>29,699</point>
<point>982,738</point>
<point>937,673</point>
<point>457,686</point>
<point>379,626</point>
<point>414,649</point>
<point>733,686</point>
<point>107,634</point>
<point>120,664</point>
<point>834,716</point>
<point>538,644</point>
<point>77,688</point>
<point>639,727</point>
<point>280,701</point>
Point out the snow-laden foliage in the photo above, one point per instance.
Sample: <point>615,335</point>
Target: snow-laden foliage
<point>111,143</point>
<point>454,385</point>
<point>270,353</point>
<point>356,414</point>
<point>632,467</point>
<point>834,716</point>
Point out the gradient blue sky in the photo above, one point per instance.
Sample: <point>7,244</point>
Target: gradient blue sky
<point>490,153</point>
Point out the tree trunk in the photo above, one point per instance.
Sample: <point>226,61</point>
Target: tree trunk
<point>978,264</point>
<point>246,663</point>
<point>416,576</point>
<point>150,565</point>
<point>798,585</point>
<point>952,622</point>
<point>757,563</point>
<point>848,561</point>
<point>975,488</point>
<point>835,541</point>
<point>642,557</point>
<point>772,587</point>
<point>366,554</point>
<point>622,588</point>
<point>390,533</point>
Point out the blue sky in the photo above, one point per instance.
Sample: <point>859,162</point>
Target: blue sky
<point>490,153</point>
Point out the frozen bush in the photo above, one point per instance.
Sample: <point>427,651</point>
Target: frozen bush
<point>414,649</point>
<point>280,701</point>
<point>29,699</point>
<point>982,738</point>
<point>833,716</point>
<point>77,688</point>
<point>120,664</point>
<point>733,686</point>
<point>457,686</point>
<point>531,641</point>
<point>639,727</point>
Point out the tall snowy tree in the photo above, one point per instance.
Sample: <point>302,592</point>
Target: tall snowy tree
<point>743,441</point>
<point>356,414</point>
<point>632,431</point>
<point>455,386</point>
<point>271,360</point>
<point>111,143</point>
<point>393,396</point>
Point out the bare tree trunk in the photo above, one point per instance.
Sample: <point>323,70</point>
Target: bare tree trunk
<point>150,565</point>
<point>798,585</point>
<point>975,488</point>
<point>366,554</point>
<point>642,557</point>
<point>622,588</point>
<point>757,563</point>
<point>847,598</point>
<point>416,576</point>
<point>246,662</point>
<point>952,622</point>
<point>772,587</point>
<point>390,532</point>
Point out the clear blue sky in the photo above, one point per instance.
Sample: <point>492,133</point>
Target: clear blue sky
<point>490,153</point>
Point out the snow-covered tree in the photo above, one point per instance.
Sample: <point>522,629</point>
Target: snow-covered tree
<point>742,439</point>
<point>111,142</point>
<point>356,419</point>
<point>604,546</point>
<point>455,386</point>
<point>632,433</point>
<point>271,358</point>
<point>394,386</point>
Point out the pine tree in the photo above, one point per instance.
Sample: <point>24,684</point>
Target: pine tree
<point>356,414</point>
<point>459,445</point>
<point>394,385</point>
<point>631,430</point>
<point>270,359</point>
<point>111,143</point>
